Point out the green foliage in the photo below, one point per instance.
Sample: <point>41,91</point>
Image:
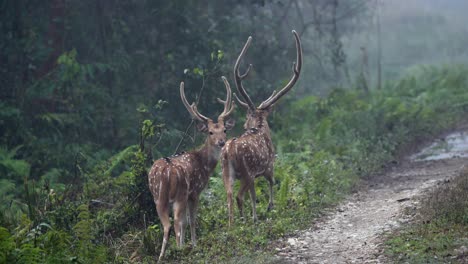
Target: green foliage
<point>71,67</point>
<point>119,159</point>
<point>11,167</point>
<point>82,116</point>
<point>140,190</point>
<point>323,146</point>
<point>7,244</point>
<point>28,253</point>
<point>14,182</point>
<point>315,180</point>
<point>148,129</point>
<point>57,245</point>
<point>11,207</point>
<point>88,251</point>
<point>283,195</point>
<point>365,131</point>
<point>82,229</point>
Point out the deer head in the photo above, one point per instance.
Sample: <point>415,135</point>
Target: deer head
<point>216,132</point>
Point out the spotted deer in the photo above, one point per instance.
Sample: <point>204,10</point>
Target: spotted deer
<point>252,154</point>
<point>179,180</point>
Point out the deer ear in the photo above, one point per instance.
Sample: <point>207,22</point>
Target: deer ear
<point>202,126</point>
<point>229,124</point>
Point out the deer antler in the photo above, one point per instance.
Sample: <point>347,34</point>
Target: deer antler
<point>296,71</point>
<point>239,77</point>
<point>241,103</point>
<point>229,103</point>
<point>191,108</point>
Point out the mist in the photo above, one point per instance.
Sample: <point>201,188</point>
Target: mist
<point>330,95</point>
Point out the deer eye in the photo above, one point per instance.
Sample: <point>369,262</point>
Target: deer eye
<point>224,131</point>
<point>211,133</point>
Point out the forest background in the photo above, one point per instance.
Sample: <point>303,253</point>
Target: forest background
<point>89,97</point>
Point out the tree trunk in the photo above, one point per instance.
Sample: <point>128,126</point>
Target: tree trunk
<point>54,38</point>
<point>379,49</point>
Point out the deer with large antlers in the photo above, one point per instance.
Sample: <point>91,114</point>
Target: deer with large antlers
<point>252,154</point>
<point>179,180</point>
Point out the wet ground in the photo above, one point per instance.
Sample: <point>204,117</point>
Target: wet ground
<point>452,146</point>
<point>352,232</point>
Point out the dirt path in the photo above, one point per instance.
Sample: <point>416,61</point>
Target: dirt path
<point>351,233</point>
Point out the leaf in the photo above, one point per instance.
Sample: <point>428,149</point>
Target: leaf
<point>160,104</point>
<point>115,160</point>
<point>17,167</point>
<point>220,55</point>
<point>142,108</point>
<point>7,245</point>
<point>7,111</point>
<point>198,71</point>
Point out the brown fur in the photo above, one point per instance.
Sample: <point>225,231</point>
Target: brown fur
<point>246,158</point>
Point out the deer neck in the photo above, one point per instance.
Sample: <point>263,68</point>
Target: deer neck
<point>266,129</point>
<point>261,129</point>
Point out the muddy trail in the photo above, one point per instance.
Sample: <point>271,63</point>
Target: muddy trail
<point>352,232</point>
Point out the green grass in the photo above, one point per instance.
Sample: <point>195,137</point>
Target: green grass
<point>440,234</point>
<point>429,243</point>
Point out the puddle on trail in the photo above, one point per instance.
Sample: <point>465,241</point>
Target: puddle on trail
<point>453,145</point>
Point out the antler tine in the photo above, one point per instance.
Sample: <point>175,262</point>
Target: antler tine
<point>243,104</point>
<point>228,104</point>
<point>296,71</point>
<point>191,108</point>
<point>271,96</point>
<point>239,77</point>
<point>195,109</point>
<point>229,111</point>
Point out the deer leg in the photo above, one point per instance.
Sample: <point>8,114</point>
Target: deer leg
<point>230,205</point>
<point>193,206</point>
<point>228,182</point>
<point>254,202</point>
<point>244,185</point>
<point>163,213</point>
<point>271,181</point>
<point>180,216</point>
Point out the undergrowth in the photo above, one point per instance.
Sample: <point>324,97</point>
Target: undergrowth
<point>324,145</point>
